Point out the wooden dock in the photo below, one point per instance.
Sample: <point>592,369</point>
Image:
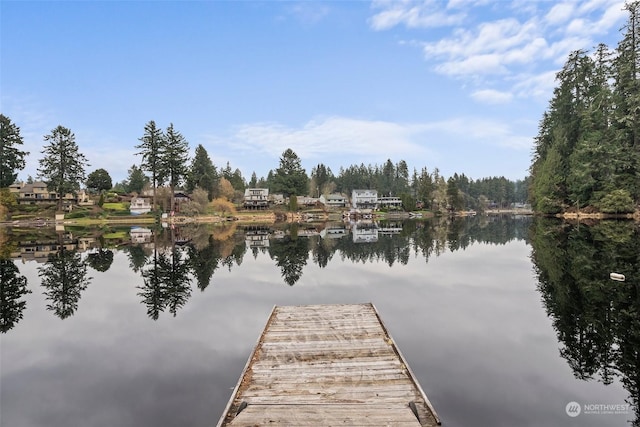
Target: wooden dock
<point>327,365</point>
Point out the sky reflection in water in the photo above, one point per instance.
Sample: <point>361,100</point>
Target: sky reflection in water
<point>470,322</point>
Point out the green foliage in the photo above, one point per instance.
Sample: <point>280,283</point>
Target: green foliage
<point>101,260</point>
<point>618,201</point>
<point>596,319</point>
<point>254,181</point>
<point>76,214</point>
<point>588,142</point>
<point>408,202</point>
<point>64,277</point>
<point>98,181</point>
<point>547,205</point>
<point>136,180</point>
<point>13,287</point>
<point>290,254</point>
<point>174,155</point>
<point>321,178</point>
<point>11,157</point>
<point>166,283</point>
<point>101,201</point>
<point>202,173</point>
<point>173,165</point>
<point>290,178</point>
<point>116,206</point>
<point>200,198</point>
<point>234,177</point>
<point>62,166</point>
<point>456,202</point>
<point>8,199</point>
<point>293,203</point>
<point>151,151</point>
<point>547,183</point>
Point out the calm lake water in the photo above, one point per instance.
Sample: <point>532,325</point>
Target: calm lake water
<point>504,321</point>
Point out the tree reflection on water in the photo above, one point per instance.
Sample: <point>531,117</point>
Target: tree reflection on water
<point>597,320</point>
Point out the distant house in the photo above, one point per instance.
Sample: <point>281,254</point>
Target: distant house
<point>277,199</point>
<point>364,199</point>
<point>390,202</point>
<point>37,194</point>
<point>306,200</point>
<point>334,200</point>
<point>140,205</point>
<point>256,198</point>
<point>178,199</point>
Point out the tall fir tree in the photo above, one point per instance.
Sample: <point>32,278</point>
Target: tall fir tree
<point>151,144</point>
<point>63,166</point>
<point>173,160</point>
<point>290,178</point>
<point>202,173</point>
<point>12,159</point>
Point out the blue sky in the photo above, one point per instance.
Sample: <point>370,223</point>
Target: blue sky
<point>458,85</point>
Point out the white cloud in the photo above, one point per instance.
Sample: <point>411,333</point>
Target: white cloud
<point>484,131</point>
<point>426,14</point>
<point>491,96</point>
<point>473,65</point>
<point>612,17</point>
<point>333,135</point>
<point>539,86</point>
<point>488,48</point>
<point>341,141</point>
<point>560,13</point>
<point>308,12</point>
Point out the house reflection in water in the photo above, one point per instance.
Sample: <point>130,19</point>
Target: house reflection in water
<point>364,232</point>
<point>40,248</point>
<point>257,236</point>
<point>333,232</point>
<point>141,235</point>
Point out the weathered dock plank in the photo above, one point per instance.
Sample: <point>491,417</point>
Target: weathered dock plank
<point>327,365</point>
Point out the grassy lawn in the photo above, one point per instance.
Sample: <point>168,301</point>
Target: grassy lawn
<point>116,235</point>
<point>116,206</point>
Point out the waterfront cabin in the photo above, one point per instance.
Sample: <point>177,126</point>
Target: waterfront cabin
<point>256,198</point>
<point>364,199</point>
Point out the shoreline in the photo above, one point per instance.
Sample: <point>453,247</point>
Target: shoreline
<point>271,217</point>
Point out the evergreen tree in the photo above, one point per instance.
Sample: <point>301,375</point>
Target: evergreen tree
<point>62,166</point>
<point>136,180</point>
<point>423,187</point>
<point>453,195</point>
<point>13,287</point>
<point>627,101</point>
<point>254,180</point>
<point>11,157</point>
<point>151,145</point>
<point>401,181</point>
<point>290,178</point>
<point>173,160</point>
<point>202,173</point>
<point>321,176</point>
<point>64,276</point>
